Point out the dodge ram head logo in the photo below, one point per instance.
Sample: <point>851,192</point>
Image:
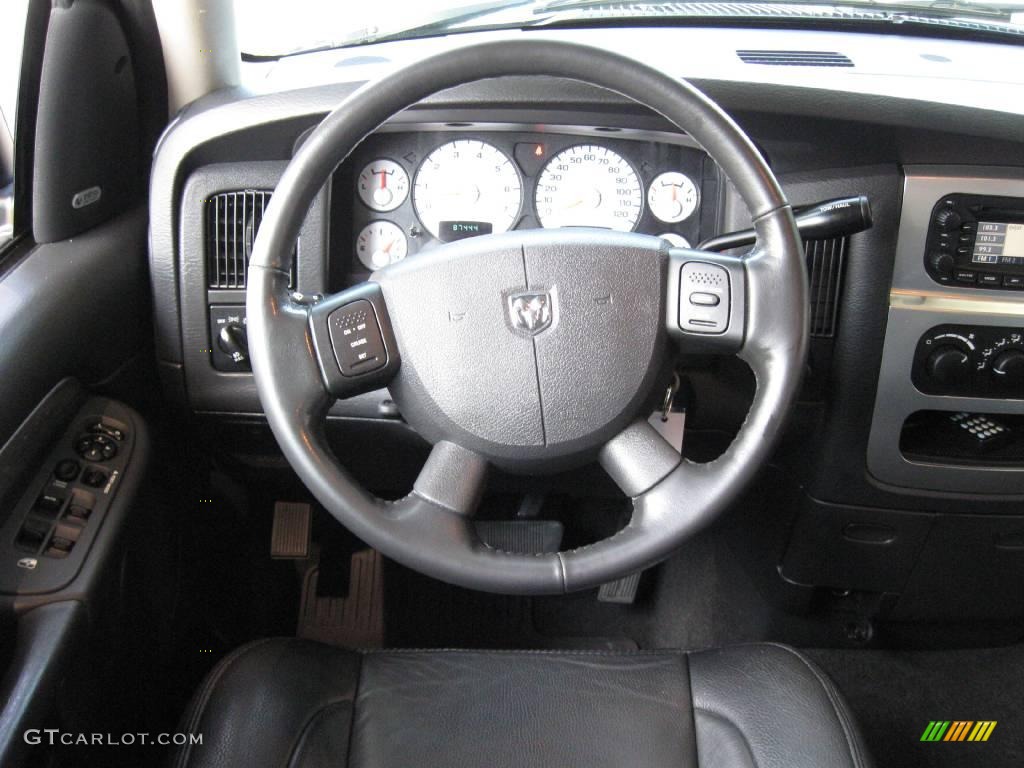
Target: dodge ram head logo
<point>530,311</point>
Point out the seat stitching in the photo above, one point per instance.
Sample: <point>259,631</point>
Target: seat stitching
<point>731,723</point>
<point>834,700</point>
<point>308,725</point>
<point>198,707</point>
<point>352,718</point>
<point>693,716</point>
<point>666,653</point>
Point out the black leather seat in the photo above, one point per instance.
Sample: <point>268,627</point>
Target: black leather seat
<point>296,703</point>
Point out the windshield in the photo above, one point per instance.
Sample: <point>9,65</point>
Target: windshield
<point>272,28</point>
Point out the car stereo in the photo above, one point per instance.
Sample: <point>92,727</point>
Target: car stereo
<point>977,241</point>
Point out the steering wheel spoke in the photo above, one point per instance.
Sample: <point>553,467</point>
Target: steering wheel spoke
<point>353,341</point>
<point>638,458</point>
<point>453,477</point>
<point>705,310</point>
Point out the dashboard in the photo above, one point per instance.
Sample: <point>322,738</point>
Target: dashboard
<point>403,193</point>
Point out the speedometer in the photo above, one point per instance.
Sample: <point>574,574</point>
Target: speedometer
<point>467,181</point>
<point>589,186</point>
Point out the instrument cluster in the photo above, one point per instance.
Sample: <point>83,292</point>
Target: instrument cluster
<point>416,191</point>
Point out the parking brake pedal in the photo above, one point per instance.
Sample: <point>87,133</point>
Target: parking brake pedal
<point>289,538</point>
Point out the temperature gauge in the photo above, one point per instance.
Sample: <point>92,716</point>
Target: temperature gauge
<point>381,243</point>
<point>383,185</point>
<point>672,197</point>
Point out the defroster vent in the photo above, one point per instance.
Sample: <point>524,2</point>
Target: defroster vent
<point>795,58</point>
<point>825,261</point>
<point>232,221</point>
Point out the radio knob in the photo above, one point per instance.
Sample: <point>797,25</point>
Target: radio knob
<point>947,219</point>
<point>947,365</point>
<point>1008,367</point>
<point>941,262</point>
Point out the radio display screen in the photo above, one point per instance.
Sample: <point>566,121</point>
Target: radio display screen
<point>999,242</point>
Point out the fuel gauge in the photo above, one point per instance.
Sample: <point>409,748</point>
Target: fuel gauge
<point>383,185</point>
<point>381,243</point>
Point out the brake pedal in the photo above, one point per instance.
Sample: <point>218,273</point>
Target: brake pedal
<point>521,537</point>
<point>289,537</point>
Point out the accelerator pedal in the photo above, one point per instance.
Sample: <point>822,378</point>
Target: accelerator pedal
<point>353,621</point>
<point>521,537</point>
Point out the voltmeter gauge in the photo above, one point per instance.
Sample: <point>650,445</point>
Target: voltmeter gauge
<point>381,243</point>
<point>383,185</point>
<point>672,197</point>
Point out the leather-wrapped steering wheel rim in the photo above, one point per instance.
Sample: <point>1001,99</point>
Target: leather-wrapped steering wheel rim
<point>430,530</point>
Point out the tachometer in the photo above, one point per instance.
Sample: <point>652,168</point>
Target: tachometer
<point>589,186</point>
<point>467,180</point>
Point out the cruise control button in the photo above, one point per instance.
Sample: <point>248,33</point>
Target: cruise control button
<point>705,299</point>
<point>356,338</point>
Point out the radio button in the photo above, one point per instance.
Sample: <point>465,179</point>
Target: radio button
<point>990,279</point>
<point>1013,281</point>
<point>965,276</point>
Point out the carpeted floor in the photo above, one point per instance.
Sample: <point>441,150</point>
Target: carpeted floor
<point>895,694</point>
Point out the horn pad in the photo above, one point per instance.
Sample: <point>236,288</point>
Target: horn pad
<point>530,348</point>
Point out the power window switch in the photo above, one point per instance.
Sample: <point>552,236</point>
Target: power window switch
<point>79,513</point>
<point>49,502</point>
<point>34,531</point>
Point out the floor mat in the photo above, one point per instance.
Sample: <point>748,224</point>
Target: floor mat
<point>353,621</point>
<point>896,694</point>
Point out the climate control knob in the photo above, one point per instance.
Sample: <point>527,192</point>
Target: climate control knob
<point>947,365</point>
<point>1008,367</point>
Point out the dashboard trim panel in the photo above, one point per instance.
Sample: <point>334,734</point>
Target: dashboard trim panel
<point>918,304</point>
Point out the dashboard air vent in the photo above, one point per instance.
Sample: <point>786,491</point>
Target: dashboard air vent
<point>825,261</point>
<point>232,221</point>
<point>795,58</point>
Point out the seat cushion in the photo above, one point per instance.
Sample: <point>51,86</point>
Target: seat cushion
<point>295,703</point>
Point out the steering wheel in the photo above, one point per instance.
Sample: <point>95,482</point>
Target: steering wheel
<point>533,351</point>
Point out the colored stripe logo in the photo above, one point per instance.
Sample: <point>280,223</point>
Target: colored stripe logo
<point>958,730</point>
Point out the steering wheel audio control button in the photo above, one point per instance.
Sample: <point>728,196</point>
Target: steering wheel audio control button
<point>356,338</point>
<point>706,306</point>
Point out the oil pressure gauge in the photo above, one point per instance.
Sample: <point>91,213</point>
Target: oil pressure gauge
<point>672,197</point>
<point>383,185</point>
<point>381,243</point>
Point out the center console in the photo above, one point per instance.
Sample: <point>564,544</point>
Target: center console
<point>949,411</point>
